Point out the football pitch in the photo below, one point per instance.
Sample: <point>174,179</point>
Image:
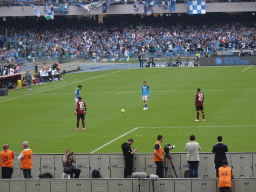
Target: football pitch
<point>45,116</point>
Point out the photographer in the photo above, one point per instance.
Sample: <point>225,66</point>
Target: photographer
<point>128,157</point>
<point>68,160</point>
<point>159,157</point>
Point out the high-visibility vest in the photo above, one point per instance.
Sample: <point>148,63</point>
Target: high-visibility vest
<point>6,159</point>
<point>159,152</point>
<point>26,161</point>
<point>224,177</point>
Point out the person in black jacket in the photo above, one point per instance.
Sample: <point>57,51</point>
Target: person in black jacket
<point>220,154</point>
<point>141,60</point>
<point>128,157</point>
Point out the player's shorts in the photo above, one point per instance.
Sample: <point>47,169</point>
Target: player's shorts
<point>145,98</point>
<point>80,116</point>
<point>198,108</point>
<point>76,100</point>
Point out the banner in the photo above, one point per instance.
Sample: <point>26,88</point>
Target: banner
<point>148,6</point>
<point>170,5</point>
<point>61,8</point>
<point>196,7</point>
<point>85,6</point>
<point>37,12</point>
<point>136,6</point>
<point>105,5</point>
<point>49,14</point>
<point>222,60</point>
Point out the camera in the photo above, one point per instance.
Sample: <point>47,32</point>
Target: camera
<point>168,147</point>
<point>70,153</point>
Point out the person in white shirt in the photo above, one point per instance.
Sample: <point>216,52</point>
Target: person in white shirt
<point>193,156</point>
<point>11,71</point>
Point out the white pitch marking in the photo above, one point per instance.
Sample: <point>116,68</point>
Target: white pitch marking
<point>56,87</point>
<point>196,127</point>
<point>113,140</point>
<point>246,68</point>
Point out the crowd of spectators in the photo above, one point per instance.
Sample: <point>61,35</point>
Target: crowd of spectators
<point>10,69</point>
<point>116,41</point>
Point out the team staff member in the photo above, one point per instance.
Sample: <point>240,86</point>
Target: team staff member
<point>220,154</point>
<point>7,157</point>
<point>225,175</point>
<point>128,157</point>
<point>159,157</point>
<point>26,160</point>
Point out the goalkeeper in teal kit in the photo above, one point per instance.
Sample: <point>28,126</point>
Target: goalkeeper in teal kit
<point>145,94</point>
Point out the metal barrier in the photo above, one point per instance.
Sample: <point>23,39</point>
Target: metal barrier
<point>112,165</point>
<point>123,185</point>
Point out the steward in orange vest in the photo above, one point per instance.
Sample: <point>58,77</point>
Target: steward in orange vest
<point>159,157</point>
<point>7,157</point>
<point>225,175</point>
<point>26,160</point>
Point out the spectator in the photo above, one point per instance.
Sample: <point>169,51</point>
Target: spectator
<point>12,71</point>
<point>128,157</point>
<point>220,153</point>
<point>192,156</point>
<point>225,175</point>
<point>68,160</point>
<point>7,157</point>
<point>26,160</point>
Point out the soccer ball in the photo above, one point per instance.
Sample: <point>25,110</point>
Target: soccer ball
<point>122,110</point>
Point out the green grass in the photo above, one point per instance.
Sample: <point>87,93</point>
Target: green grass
<point>45,117</point>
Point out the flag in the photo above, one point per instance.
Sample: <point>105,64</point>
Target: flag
<point>37,12</point>
<point>49,14</point>
<point>148,7</point>
<point>105,5</point>
<point>170,5</point>
<point>86,7</point>
<point>96,5</point>
<point>136,6</point>
<point>196,7</point>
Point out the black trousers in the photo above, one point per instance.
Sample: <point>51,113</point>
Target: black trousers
<point>141,63</point>
<point>217,166</point>
<point>128,167</point>
<point>7,172</point>
<point>27,173</point>
<point>160,169</point>
<point>76,172</point>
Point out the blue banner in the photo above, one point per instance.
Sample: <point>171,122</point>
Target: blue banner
<point>196,7</point>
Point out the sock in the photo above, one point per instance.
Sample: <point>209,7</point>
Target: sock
<point>146,105</point>
<point>83,124</point>
<point>77,124</point>
<point>197,115</point>
<point>203,114</point>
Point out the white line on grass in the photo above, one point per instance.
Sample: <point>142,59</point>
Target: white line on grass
<point>196,127</point>
<point>166,128</point>
<point>246,68</point>
<point>59,86</point>
<point>113,140</point>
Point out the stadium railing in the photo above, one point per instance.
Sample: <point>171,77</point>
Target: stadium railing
<point>112,165</point>
<point>124,185</point>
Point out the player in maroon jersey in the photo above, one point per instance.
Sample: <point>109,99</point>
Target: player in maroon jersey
<point>199,99</point>
<point>81,111</point>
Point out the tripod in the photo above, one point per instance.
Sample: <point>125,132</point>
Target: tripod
<point>167,156</point>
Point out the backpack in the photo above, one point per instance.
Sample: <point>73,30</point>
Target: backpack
<point>45,175</point>
<point>186,174</point>
<point>95,174</point>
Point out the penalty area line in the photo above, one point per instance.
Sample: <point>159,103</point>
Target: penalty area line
<point>197,127</point>
<point>113,140</point>
<point>246,68</point>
